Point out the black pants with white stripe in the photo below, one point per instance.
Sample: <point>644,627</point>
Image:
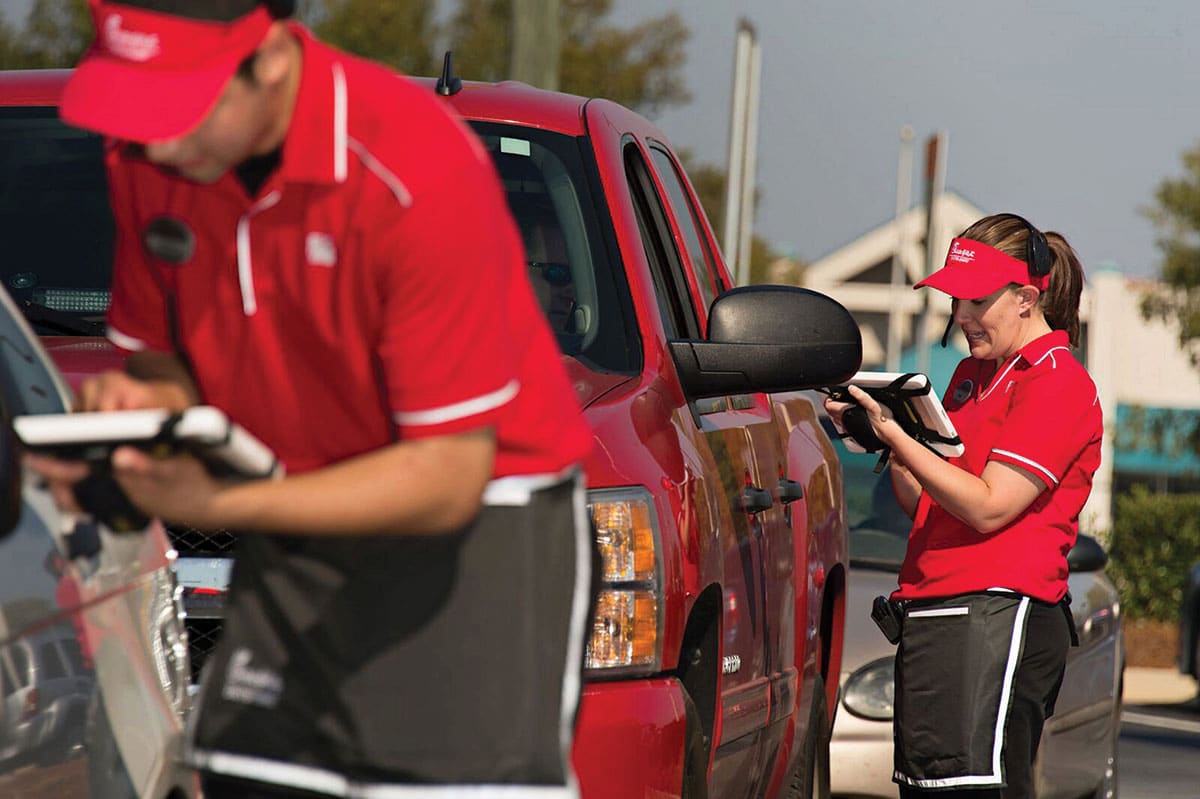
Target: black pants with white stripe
<point>1035,683</point>
<point>405,666</point>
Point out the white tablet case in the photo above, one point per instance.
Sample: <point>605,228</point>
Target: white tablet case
<point>202,429</point>
<point>924,402</point>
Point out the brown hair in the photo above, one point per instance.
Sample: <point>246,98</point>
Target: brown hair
<point>1009,234</point>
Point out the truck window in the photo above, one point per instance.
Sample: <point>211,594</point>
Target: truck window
<point>666,267</point>
<point>686,217</point>
<point>546,182</point>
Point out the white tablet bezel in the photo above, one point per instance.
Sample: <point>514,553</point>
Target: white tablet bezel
<point>203,430</point>
<point>927,408</point>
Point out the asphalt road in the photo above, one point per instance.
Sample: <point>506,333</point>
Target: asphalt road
<point>1159,752</point>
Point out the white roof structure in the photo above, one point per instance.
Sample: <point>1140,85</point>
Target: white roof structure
<point>858,275</point>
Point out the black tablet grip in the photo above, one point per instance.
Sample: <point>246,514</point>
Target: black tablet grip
<point>100,495</point>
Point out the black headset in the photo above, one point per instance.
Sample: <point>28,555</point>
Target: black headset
<point>280,9</point>
<point>1037,249</point>
<point>1037,257</point>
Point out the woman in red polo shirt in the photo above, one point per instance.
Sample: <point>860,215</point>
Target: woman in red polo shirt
<point>983,587</point>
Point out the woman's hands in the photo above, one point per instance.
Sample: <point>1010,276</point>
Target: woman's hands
<point>882,425</point>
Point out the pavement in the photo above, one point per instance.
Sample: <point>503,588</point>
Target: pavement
<point>1158,686</point>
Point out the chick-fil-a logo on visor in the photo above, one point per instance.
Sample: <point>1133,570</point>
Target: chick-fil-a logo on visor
<point>960,254</point>
<point>127,44</point>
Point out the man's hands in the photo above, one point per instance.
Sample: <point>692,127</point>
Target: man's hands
<point>117,391</point>
<point>139,475</point>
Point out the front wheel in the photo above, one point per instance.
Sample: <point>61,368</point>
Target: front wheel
<point>811,778</point>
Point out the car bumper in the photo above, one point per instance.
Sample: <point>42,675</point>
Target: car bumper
<point>860,757</point>
<point>629,740</point>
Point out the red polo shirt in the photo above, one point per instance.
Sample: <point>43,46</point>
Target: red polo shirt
<point>373,290</point>
<point>1039,412</point>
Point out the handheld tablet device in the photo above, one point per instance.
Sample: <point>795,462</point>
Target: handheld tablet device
<point>912,402</point>
<point>227,449</point>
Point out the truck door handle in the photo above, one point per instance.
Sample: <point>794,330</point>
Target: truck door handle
<point>790,491</point>
<point>755,499</point>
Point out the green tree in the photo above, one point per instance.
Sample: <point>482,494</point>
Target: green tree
<point>55,34</point>
<point>639,67</point>
<point>1176,217</point>
<point>10,56</point>
<point>710,182</point>
<point>398,33</point>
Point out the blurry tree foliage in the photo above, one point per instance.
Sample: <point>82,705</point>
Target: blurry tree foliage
<point>399,33</point>
<point>55,34</point>
<point>640,66</point>
<point>710,183</point>
<point>1176,217</point>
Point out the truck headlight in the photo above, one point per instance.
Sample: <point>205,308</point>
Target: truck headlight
<point>627,619</point>
<point>871,691</point>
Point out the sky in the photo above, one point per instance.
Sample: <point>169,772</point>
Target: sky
<point>1069,112</point>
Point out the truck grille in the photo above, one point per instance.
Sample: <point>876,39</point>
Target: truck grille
<point>204,628</point>
<point>202,640</point>
<point>189,541</point>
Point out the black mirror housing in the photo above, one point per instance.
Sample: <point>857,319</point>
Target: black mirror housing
<point>1086,556</point>
<point>770,339</point>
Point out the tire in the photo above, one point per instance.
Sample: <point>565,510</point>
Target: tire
<point>695,754</point>
<point>811,777</point>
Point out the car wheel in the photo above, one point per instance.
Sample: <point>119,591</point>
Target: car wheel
<point>1108,786</point>
<point>1196,652</point>
<point>811,778</point>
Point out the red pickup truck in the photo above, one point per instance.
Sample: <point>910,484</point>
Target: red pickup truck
<point>716,496</point>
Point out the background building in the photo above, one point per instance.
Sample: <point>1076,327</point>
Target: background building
<point>1149,389</point>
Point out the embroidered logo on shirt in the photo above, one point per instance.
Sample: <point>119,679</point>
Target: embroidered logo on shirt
<point>962,392</point>
<point>320,250</point>
<point>249,685</point>
<point>170,239</point>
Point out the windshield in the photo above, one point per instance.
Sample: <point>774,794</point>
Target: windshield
<point>55,222</point>
<point>546,180</point>
<point>57,228</point>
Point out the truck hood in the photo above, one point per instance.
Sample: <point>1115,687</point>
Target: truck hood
<point>590,386</point>
<point>79,357</point>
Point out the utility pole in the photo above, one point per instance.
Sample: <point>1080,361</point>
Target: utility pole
<point>896,318</point>
<point>536,41</point>
<point>743,153</point>
<point>935,183</point>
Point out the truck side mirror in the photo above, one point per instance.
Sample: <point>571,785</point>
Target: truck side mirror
<point>770,338</point>
<point>1086,556</point>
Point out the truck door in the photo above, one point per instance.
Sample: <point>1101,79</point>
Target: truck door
<point>772,499</point>
<point>721,429</point>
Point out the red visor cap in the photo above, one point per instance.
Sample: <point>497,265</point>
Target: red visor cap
<point>150,76</point>
<point>974,270</point>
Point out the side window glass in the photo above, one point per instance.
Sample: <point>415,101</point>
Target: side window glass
<point>20,664</point>
<point>74,654</point>
<point>7,683</point>
<point>689,226</point>
<point>666,267</point>
<point>52,664</point>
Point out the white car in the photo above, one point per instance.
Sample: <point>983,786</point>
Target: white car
<point>1078,755</point>
<point>93,653</point>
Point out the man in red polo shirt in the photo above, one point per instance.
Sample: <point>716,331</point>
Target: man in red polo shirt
<point>316,246</point>
<point>983,587</point>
